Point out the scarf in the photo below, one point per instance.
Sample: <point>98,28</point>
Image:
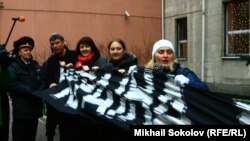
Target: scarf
<point>169,69</point>
<point>121,61</point>
<point>81,60</point>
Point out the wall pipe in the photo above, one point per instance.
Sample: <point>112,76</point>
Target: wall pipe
<point>203,41</point>
<point>163,18</point>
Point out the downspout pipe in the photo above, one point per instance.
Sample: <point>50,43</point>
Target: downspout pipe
<point>163,18</point>
<point>203,41</point>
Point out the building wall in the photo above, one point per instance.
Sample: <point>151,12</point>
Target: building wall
<point>100,19</point>
<point>176,9</point>
<point>230,76</point>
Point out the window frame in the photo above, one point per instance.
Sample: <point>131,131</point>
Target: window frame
<point>226,52</point>
<point>179,22</point>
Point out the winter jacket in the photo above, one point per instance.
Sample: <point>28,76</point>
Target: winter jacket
<point>51,68</point>
<point>4,101</point>
<point>97,60</point>
<point>25,79</point>
<point>125,62</point>
<point>194,81</point>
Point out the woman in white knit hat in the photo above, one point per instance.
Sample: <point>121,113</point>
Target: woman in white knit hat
<point>163,57</point>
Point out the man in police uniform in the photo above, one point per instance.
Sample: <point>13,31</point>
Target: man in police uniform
<point>25,79</point>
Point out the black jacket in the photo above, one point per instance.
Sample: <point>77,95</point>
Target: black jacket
<point>125,62</point>
<point>25,79</point>
<point>51,68</point>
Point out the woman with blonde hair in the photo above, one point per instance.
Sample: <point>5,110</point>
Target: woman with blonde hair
<point>163,58</point>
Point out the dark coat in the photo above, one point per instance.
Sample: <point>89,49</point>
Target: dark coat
<point>51,68</point>
<point>4,104</point>
<point>51,74</point>
<point>25,79</point>
<point>194,81</point>
<point>97,60</point>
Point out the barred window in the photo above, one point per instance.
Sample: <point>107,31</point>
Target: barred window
<point>237,28</point>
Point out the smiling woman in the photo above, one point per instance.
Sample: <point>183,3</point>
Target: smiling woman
<point>119,59</point>
<point>88,55</point>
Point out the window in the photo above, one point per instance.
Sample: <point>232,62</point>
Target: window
<point>237,28</point>
<point>181,28</point>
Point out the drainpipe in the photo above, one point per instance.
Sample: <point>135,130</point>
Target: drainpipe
<point>163,18</point>
<point>203,41</point>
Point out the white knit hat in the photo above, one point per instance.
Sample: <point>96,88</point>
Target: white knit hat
<point>162,43</point>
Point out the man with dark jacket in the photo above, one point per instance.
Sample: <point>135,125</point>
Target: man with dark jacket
<point>51,69</point>
<point>25,79</point>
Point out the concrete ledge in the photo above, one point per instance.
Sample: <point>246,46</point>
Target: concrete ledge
<point>241,91</point>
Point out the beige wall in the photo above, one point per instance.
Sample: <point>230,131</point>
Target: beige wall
<point>100,19</point>
<point>224,75</point>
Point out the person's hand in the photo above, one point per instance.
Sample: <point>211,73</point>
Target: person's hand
<point>122,71</point>
<point>95,68</point>
<point>52,85</point>
<point>180,80</point>
<point>62,63</point>
<point>5,59</point>
<point>69,65</point>
<point>85,68</point>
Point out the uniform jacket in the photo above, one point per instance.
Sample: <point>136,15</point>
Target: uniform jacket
<point>25,79</point>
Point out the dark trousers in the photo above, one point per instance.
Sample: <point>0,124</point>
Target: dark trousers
<point>96,128</point>
<point>24,129</point>
<point>53,117</point>
<point>4,127</point>
<point>4,131</point>
<point>68,126</point>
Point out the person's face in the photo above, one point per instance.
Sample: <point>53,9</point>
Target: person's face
<point>57,47</point>
<point>116,51</point>
<point>25,53</point>
<point>164,56</point>
<point>85,49</point>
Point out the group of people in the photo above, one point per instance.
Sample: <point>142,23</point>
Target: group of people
<point>25,75</point>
